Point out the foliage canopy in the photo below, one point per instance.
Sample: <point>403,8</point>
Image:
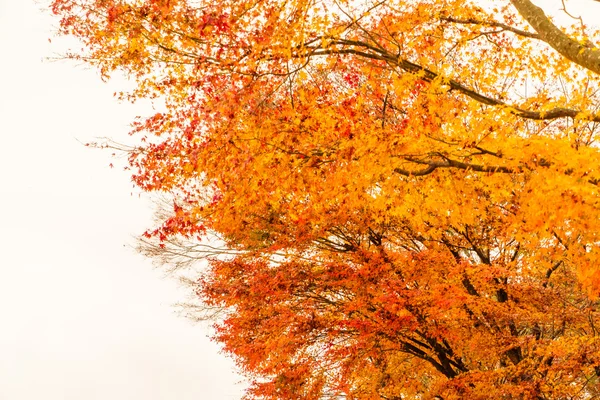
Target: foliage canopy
<point>407,191</point>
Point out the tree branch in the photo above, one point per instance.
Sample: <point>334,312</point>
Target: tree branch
<point>473,21</point>
<point>433,165</point>
<point>556,38</point>
<point>374,53</point>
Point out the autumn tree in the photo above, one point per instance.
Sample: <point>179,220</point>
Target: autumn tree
<point>405,194</point>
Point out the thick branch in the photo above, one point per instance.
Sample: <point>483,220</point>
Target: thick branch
<point>433,165</point>
<point>550,271</point>
<point>556,38</point>
<point>558,112</point>
<point>444,369</point>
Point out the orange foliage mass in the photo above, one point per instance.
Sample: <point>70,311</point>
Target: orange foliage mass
<point>405,192</point>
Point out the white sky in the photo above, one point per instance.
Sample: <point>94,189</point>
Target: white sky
<point>82,316</point>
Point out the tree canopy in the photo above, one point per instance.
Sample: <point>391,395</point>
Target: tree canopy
<point>405,193</point>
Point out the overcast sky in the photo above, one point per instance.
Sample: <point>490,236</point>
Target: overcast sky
<point>82,316</point>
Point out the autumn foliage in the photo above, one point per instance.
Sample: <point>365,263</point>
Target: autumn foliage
<point>404,194</point>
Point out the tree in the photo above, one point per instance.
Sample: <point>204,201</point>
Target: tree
<point>405,192</point>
